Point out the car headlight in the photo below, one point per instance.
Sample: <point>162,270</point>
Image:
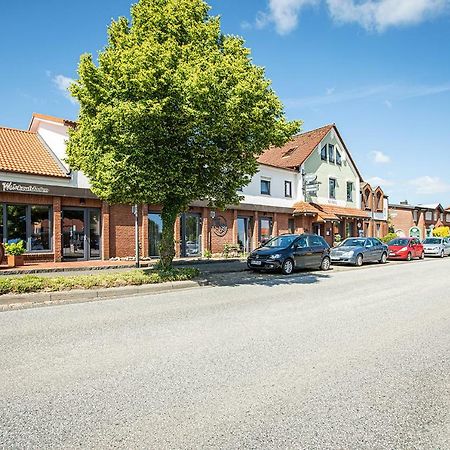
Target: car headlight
<point>404,249</point>
<point>276,256</point>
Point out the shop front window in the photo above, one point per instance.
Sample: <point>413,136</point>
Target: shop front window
<point>16,223</point>
<point>265,229</point>
<point>154,233</point>
<point>40,228</point>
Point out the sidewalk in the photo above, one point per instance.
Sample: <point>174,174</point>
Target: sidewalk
<point>86,267</point>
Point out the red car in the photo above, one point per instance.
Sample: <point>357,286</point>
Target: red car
<point>406,249</point>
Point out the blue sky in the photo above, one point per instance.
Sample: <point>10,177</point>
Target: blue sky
<point>379,69</point>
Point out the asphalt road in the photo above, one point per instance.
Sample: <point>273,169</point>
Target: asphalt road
<point>353,359</point>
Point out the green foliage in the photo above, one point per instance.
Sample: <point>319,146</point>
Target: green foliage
<point>389,237</point>
<point>15,248</point>
<point>232,250</point>
<point>21,285</point>
<point>173,111</point>
<point>441,232</point>
<point>207,254</point>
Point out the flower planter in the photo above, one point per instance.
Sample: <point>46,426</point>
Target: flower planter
<point>15,260</point>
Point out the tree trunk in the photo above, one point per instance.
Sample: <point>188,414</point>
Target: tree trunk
<point>169,215</point>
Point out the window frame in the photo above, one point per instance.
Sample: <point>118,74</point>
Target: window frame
<point>28,225</point>
<point>324,153</point>
<point>288,192</point>
<point>352,188</point>
<point>332,152</point>
<point>332,197</point>
<point>265,180</point>
<point>338,157</point>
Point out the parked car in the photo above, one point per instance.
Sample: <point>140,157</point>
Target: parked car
<point>359,250</point>
<point>406,248</point>
<point>291,251</point>
<point>436,246</point>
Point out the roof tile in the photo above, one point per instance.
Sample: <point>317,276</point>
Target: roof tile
<point>23,152</point>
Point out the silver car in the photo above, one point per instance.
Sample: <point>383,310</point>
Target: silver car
<point>436,246</point>
<point>357,251</point>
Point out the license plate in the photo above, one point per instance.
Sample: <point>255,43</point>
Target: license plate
<point>335,258</point>
<point>391,254</point>
<point>256,263</point>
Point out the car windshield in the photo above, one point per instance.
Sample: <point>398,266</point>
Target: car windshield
<point>434,241</point>
<point>280,242</point>
<point>354,242</point>
<point>402,242</point>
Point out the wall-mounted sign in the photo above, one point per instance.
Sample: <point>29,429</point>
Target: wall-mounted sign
<point>220,226</point>
<point>415,233</point>
<point>16,187</point>
<point>310,178</point>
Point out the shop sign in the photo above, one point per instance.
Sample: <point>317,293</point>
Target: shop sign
<point>220,226</point>
<point>25,188</point>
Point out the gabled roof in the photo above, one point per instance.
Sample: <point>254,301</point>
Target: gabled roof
<point>295,152</point>
<point>24,152</point>
<point>65,122</point>
<point>299,149</point>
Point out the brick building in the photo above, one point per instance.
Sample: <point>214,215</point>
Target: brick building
<point>310,184</point>
<point>418,220</point>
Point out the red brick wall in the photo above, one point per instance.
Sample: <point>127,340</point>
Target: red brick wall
<point>121,231</point>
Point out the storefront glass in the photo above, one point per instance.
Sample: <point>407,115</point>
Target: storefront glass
<point>190,235</point>
<point>154,233</point>
<point>94,233</point>
<point>16,223</point>
<point>265,229</point>
<point>40,228</point>
<point>244,233</point>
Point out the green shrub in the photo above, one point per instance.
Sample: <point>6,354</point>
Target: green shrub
<point>21,285</point>
<point>15,248</point>
<point>389,237</point>
<point>441,232</point>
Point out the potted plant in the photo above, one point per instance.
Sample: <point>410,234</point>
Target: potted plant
<point>15,251</point>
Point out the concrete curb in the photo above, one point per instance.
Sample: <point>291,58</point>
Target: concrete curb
<point>21,301</point>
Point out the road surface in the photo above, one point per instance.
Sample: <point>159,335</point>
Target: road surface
<point>354,359</point>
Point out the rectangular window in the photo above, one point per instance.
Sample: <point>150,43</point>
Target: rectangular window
<point>265,229</point>
<point>324,153</point>
<point>338,158</point>
<point>16,223</point>
<point>288,189</point>
<point>154,233</point>
<point>448,218</point>
<point>332,188</point>
<point>349,191</point>
<point>265,187</point>
<point>40,228</point>
<point>291,226</point>
<point>428,215</point>
<point>331,153</point>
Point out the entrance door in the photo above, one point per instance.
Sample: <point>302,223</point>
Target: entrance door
<point>191,235</point>
<point>81,234</point>
<point>243,224</point>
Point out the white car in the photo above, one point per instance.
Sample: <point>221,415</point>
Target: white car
<point>436,246</point>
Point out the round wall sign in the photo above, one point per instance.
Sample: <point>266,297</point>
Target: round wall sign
<point>220,226</point>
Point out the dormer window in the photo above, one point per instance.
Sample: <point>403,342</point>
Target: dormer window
<point>289,152</point>
<point>324,153</point>
<point>331,156</point>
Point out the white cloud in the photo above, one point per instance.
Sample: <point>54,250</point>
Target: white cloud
<point>378,181</point>
<point>330,90</point>
<point>377,92</point>
<point>62,83</point>
<point>381,14</point>
<point>427,185</point>
<point>370,14</point>
<point>380,157</point>
<point>388,104</point>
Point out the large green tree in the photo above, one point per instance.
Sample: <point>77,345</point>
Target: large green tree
<point>173,111</point>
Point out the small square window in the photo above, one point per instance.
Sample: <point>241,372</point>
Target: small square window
<point>288,189</point>
<point>331,156</point>
<point>332,188</point>
<point>265,187</point>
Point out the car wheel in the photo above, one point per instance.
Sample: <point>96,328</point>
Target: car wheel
<point>409,257</point>
<point>288,267</point>
<point>326,264</point>
<point>383,259</point>
<point>442,254</point>
<point>422,256</point>
<point>359,260</point>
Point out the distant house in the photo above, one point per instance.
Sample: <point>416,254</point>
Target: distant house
<point>418,220</point>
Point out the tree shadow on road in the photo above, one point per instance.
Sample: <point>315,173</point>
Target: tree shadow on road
<point>269,279</point>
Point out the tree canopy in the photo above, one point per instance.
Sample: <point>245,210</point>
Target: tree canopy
<point>173,110</point>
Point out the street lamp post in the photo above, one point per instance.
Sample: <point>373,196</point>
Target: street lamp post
<point>135,210</point>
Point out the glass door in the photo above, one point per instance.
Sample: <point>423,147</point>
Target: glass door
<point>73,234</point>
<point>81,234</point>
<point>243,234</point>
<point>191,235</point>
<point>154,233</point>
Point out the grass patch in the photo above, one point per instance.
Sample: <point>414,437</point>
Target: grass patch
<point>32,283</point>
